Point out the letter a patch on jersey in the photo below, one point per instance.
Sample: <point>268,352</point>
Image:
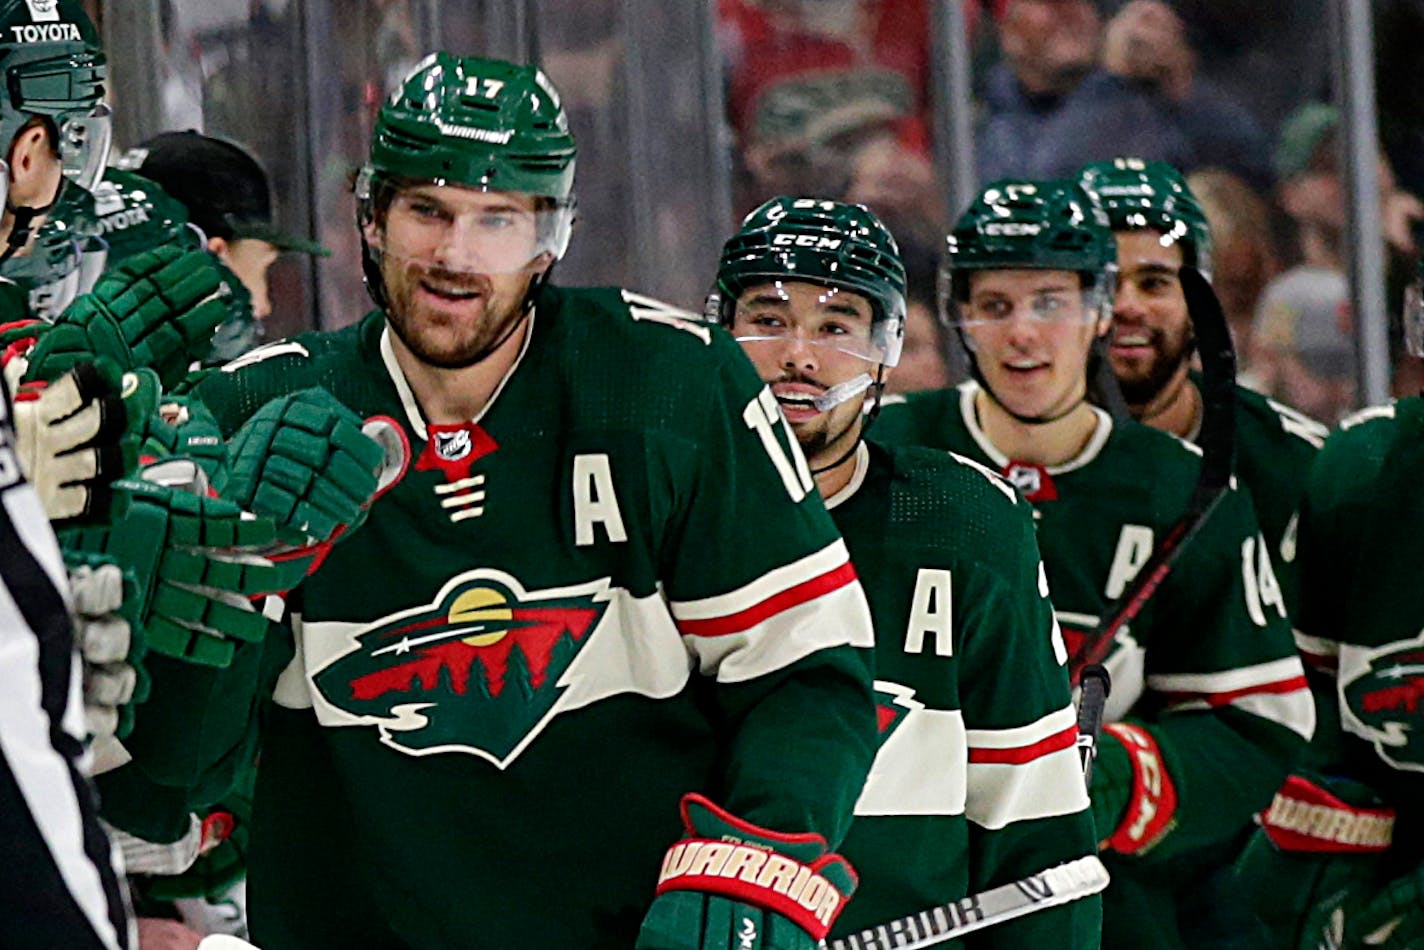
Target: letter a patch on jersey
<point>476,671</point>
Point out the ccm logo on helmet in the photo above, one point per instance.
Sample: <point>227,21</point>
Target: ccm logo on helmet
<point>807,240</point>
<point>1012,228</point>
<point>48,33</point>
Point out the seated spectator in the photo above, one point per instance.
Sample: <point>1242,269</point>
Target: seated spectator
<point>1065,95</point>
<point>1313,194</point>
<point>1304,350</point>
<point>801,75</point>
<point>1243,255</point>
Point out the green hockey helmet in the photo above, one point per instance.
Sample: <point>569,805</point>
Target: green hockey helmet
<point>1031,225</point>
<point>133,214</point>
<point>54,69</point>
<point>483,124</point>
<point>836,245</point>
<point>1138,194</point>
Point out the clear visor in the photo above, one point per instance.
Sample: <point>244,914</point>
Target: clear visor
<point>464,231</point>
<point>1414,319</point>
<point>84,146</point>
<point>832,318</point>
<point>1053,302</point>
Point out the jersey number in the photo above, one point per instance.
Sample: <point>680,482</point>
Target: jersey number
<point>760,415</point>
<point>1262,590</point>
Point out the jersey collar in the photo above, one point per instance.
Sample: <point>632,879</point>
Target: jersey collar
<point>857,478</point>
<point>969,389</point>
<point>407,397</point>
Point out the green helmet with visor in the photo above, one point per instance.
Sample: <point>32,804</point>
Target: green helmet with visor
<point>481,124</point>
<point>1031,225</point>
<point>842,247</point>
<point>1138,195</point>
<point>54,69</point>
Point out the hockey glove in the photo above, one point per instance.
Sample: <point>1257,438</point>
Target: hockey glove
<point>106,632</point>
<point>730,885</point>
<point>182,426</point>
<point>194,559</point>
<point>1317,854</point>
<point>157,309</point>
<point>73,443</point>
<point>1134,801</point>
<point>1393,919</point>
<point>304,461</point>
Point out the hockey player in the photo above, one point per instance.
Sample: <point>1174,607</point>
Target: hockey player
<point>1339,861</point>
<point>1160,227</point>
<point>1209,701</point>
<point>606,582</point>
<point>977,781</point>
<point>59,885</point>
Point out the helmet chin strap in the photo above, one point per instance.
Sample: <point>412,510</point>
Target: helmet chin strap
<point>25,216</point>
<point>841,392</point>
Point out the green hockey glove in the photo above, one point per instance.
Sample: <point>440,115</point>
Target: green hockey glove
<point>157,309</point>
<point>312,466</point>
<point>194,556</point>
<point>110,642</point>
<point>182,426</point>
<point>730,885</point>
<point>1316,856</point>
<point>1133,798</point>
<point>1393,919</point>
<point>73,441</point>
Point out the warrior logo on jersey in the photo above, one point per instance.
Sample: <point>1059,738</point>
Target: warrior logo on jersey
<point>1385,701</point>
<point>477,671</point>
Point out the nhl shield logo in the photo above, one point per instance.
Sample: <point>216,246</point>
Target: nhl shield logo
<point>43,11</point>
<point>453,446</point>
<point>1384,701</point>
<point>477,671</point>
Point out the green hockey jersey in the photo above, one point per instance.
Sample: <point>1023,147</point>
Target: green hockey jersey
<point>1275,446</point>
<point>1208,667</point>
<point>615,586</point>
<point>1361,541</point>
<point>977,782</point>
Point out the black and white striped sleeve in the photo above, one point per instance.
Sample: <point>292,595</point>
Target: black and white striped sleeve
<point>59,877</point>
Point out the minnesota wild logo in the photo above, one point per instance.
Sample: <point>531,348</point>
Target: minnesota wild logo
<point>1385,698</point>
<point>476,671</point>
<point>893,703</point>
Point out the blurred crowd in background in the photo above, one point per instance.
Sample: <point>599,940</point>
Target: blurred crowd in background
<point>833,98</point>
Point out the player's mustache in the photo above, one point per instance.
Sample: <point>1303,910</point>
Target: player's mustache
<point>459,280</point>
<point>799,378</point>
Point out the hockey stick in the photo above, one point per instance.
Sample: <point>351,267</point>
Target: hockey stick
<point>1218,442</point>
<point>1066,882</point>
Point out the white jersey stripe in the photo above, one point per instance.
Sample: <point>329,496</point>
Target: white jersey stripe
<point>765,587</point>
<point>1229,681</point>
<point>1019,736</point>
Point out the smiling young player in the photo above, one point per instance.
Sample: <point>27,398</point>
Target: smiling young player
<point>977,781</point>
<point>1209,701</point>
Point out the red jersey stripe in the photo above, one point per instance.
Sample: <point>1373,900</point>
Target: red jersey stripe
<point>795,596</point>
<point>1018,755</point>
<point>1230,696</point>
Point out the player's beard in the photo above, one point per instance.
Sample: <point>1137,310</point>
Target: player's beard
<point>1141,387</point>
<point>826,433</point>
<point>436,338</point>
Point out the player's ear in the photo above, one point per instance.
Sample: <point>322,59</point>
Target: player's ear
<point>219,247</point>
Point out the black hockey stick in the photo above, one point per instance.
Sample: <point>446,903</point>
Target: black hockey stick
<point>1057,885</point>
<point>1217,441</point>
